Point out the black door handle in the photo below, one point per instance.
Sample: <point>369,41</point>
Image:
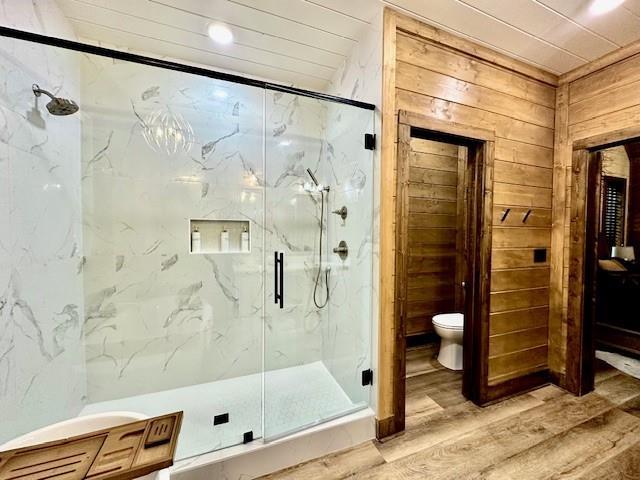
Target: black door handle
<point>281,279</point>
<point>275,277</point>
<point>278,278</point>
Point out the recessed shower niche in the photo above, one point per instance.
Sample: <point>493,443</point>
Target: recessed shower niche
<point>219,236</point>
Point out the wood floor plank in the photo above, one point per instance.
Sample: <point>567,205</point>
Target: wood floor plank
<point>631,406</point>
<point>418,408</point>
<point>441,378</point>
<point>624,466</point>
<point>571,453</point>
<point>452,423</point>
<point>335,466</point>
<point>497,441</point>
<point>619,388</point>
<point>604,371</point>
<point>443,386</point>
<point>546,433</point>
<point>422,360</point>
<point>547,393</point>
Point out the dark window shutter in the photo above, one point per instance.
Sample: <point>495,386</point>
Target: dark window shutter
<point>614,209</point>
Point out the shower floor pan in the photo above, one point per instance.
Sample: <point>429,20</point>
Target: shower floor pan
<point>295,398</point>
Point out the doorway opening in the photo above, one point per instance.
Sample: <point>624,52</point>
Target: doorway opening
<point>609,213</point>
<point>435,275</point>
<point>443,252</point>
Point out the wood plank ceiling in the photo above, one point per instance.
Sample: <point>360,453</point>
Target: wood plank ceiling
<point>303,42</point>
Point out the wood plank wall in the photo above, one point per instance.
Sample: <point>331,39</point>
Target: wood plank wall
<point>433,223</point>
<point>599,99</point>
<point>439,75</point>
<point>435,80</point>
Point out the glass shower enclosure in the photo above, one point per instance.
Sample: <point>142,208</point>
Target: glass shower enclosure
<point>170,246</point>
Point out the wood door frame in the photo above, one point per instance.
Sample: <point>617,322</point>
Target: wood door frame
<point>481,144</point>
<point>584,203</point>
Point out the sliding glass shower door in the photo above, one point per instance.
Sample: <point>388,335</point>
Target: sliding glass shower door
<point>312,363</point>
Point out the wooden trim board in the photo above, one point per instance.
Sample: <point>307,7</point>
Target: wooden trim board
<point>608,139</point>
<point>416,27</point>
<point>402,258</point>
<point>582,256</point>
<point>600,63</point>
<point>387,328</point>
<point>479,173</point>
<point>450,128</point>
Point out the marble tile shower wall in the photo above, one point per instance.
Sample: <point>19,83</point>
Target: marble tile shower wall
<point>158,317</point>
<point>42,377</point>
<point>359,78</point>
<point>347,331</point>
<point>150,305</point>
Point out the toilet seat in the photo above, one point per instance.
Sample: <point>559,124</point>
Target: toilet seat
<point>451,321</point>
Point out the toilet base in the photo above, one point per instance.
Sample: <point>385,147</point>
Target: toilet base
<point>450,355</point>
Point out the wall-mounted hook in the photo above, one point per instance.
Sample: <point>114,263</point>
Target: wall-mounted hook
<point>526,216</point>
<point>505,215</point>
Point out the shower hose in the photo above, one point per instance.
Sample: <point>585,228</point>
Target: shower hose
<point>326,272</point>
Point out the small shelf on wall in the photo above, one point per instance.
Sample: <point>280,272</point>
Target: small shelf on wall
<point>211,236</point>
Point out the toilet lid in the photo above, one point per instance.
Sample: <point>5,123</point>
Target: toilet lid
<point>454,321</point>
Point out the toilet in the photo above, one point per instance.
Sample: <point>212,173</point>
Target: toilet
<point>449,327</point>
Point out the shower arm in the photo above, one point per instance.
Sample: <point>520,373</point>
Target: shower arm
<point>37,91</point>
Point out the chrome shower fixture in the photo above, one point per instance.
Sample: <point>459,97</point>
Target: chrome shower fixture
<point>342,212</point>
<point>319,187</point>
<point>57,106</point>
<point>320,303</point>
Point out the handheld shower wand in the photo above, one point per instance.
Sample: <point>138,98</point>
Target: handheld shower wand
<point>313,177</point>
<point>316,183</point>
<point>326,272</point>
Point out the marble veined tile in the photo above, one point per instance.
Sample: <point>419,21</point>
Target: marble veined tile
<point>42,371</point>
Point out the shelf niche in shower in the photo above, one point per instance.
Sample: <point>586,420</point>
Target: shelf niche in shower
<point>211,233</point>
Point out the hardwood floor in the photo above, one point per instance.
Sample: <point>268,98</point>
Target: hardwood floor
<point>544,434</point>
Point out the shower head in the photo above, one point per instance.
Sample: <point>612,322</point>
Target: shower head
<point>313,177</point>
<point>57,106</point>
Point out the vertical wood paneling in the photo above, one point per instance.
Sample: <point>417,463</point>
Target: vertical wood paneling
<point>388,333</point>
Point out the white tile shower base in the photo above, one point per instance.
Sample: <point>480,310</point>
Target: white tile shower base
<point>244,462</point>
<point>294,397</point>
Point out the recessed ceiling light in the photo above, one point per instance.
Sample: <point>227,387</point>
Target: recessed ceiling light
<point>220,33</point>
<point>598,7</point>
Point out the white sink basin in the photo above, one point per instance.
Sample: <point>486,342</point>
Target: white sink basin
<point>80,426</point>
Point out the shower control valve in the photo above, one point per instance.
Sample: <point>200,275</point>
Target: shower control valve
<point>342,250</point>
<point>342,212</point>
